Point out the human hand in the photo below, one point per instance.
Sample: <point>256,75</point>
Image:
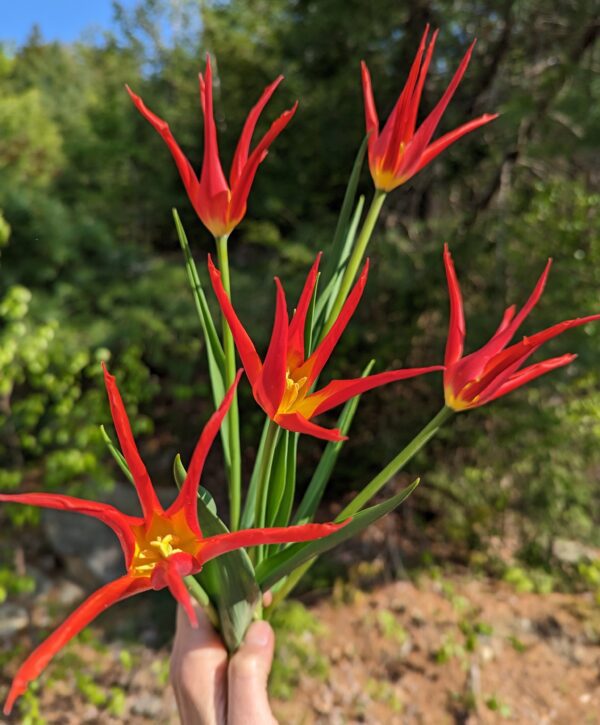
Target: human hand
<point>212,689</point>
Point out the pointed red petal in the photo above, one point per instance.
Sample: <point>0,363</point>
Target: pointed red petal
<point>371,119</point>
<point>120,523</point>
<point>297,329</point>
<point>100,600</point>
<point>539,338</point>
<point>316,362</point>
<point>245,346</point>
<point>187,497</point>
<point>447,139</point>
<point>212,178</point>
<point>143,484</point>
<point>239,194</point>
<point>456,327</point>
<point>472,366</point>
<point>299,424</point>
<point>241,153</point>
<point>393,137</point>
<point>339,391</point>
<point>271,386</point>
<point>216,545</point>
<point>531,373</point>
<point>416,98</point>
<point>188,176</point>
<point>423,136</point>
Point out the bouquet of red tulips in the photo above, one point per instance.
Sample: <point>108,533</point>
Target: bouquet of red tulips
<point>270,540</point>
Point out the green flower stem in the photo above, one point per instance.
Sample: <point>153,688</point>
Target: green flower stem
<point>234,465</point>
<point>264,474</point>
<point>397,463</point>
<point>356,257</point>
<point>198,593</point>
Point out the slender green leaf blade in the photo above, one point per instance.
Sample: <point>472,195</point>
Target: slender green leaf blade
<point>116,453</point>
<point>341,230</point>
<point>278,478</point>
<point>214,349</point>
<point>230,582</point>
<point>287,501</point>
<point>314,492</point>
<point>271,570</point>
<point>249,513</point>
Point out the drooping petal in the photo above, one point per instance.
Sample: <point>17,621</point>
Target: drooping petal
<point>100,600</point>
<point>143,485</point>
<point>297,329</point>
<point>316,362</point>
<point>241,153</point>
<point>456,327</point>
<point>422,137</point>
<point>239,194</point>
<point>169,573</point>
<point>299,424</point>
<point>119,522</point>
<point>531,373</point>
<point>216,545</point>
<point>442,143</point>
<point>339,391</point>
<point>188,176</point>
<point>271,385</point>
<point>245,347</point>
<point>187,497</point>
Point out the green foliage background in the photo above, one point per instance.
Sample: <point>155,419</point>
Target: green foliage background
<point>90,268</point>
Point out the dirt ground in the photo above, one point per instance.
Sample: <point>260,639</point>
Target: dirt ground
<point>440,650</point>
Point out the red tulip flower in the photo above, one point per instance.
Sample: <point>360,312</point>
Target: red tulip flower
<point>282,383</point>
<point>400,151</point>
<point>495,369</point>
<point>160,547</point>
<point>220,206</point>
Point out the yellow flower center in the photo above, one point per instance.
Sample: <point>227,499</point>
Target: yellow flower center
<point>160,540</point>
<point>291,394</point>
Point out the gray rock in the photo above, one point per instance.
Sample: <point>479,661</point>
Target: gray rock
<point>147,705</point>
<point>88,548</point>
<point>571,552</point>
<point>13,619</point>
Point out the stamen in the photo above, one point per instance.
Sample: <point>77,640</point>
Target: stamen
<point>292,390</point>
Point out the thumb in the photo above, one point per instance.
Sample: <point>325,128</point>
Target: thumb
<point>249,670</point>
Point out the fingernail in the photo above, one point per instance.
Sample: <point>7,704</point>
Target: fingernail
<point>258,634</point>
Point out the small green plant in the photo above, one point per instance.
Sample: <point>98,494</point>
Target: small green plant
<point>495,704</point>
<point>383,692</point>
<point>390,627</point>
<point>90,690</point>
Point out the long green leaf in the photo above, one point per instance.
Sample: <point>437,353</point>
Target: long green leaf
<point>278,478</point>
<point>314,492</point>
<point>249,513</point>
<point>179,474</point>
<point>271,570</point>
<point>116,454</point>
<point>214,349</point>
<point>228,580</point>
<point>341,229</point>
<point>230,583</point>
<point>326,300</point>
<point>287,501</point>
